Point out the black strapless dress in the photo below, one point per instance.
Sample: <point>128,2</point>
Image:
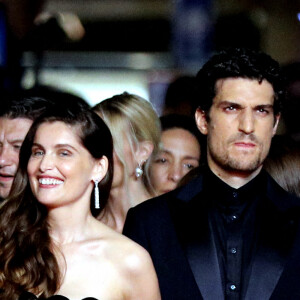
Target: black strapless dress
<point>30,296</point>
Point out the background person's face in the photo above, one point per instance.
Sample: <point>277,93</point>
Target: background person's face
<point>12,135</point>
<point>119,170</point>
<point>240,125</point>
<point>180,154</point>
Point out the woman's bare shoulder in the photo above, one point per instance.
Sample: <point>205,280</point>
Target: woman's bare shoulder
<point>132,256</point>
<point>127,263</point>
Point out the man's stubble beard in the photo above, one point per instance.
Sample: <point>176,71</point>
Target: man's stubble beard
<point>229,163</point>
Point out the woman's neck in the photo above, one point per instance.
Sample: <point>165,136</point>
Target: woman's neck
<point>121,199</point>
<point>67,225</point>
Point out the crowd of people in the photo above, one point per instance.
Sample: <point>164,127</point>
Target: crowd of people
<point>115,202</point>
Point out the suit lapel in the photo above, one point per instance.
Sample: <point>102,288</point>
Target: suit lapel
<point>274,243</point>
<point>266,271</point>
<point>203,261</point>
<point>195,235</point>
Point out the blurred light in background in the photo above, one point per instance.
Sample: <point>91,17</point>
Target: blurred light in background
<point>92,85</point>
<point>96,76</point>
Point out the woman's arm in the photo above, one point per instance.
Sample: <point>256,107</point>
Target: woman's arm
<point>143,281</point>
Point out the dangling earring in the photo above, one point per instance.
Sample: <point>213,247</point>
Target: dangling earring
<point>139,171</point>
<point>96,193</point>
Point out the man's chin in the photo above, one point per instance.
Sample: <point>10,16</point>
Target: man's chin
<point>244,167</point>
<point>246,164</point>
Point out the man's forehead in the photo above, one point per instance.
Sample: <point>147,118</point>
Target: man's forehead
<point>14,127</point>
<point>15,120</point>
<point>245,87</point>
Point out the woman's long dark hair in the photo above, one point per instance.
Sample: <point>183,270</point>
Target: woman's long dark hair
<point>27,261</point>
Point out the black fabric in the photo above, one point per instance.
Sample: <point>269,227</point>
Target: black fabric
<point>179,232</point>
<point>30,296</point>
<point>233,216</point>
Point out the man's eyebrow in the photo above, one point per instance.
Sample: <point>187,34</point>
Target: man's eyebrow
<point>270,106</point>
<point>235,104</point>
<point>12,141</point>
<point>229,103</point>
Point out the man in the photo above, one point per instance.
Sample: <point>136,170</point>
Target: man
<point>232,232</point>
<point>16,116</point>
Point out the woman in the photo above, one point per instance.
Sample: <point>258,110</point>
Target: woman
<point>136,133</point>
<point>283,163</point>
<point>182,148</point>
<point>51,243</point>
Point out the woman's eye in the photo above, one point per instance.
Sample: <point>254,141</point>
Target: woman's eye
<point>65,153</point>
<point>37,153</point>
<point>161,160</point>
<point>189,166</point>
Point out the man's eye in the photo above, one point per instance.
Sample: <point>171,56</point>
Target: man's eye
<point>262,110</point>
<point>17,147</point>
<point>230,108</point>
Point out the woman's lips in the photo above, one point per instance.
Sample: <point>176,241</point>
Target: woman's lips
<point>46,181</point>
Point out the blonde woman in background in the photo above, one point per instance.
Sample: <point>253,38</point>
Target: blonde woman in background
<point>135,128</point>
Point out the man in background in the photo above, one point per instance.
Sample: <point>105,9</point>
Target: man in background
<point>17,113</point>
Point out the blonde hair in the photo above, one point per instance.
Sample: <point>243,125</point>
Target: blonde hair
<point>132,117</point>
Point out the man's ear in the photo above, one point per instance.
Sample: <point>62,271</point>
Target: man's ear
<point>201,121</point>
<point>144,151</point>
<point>277,118</point>
<point>100,169</point>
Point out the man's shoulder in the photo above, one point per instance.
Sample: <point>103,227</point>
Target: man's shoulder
<point>156,204</point>
<point>182,194</point>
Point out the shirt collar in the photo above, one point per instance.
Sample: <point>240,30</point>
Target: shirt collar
<point>229,196</point>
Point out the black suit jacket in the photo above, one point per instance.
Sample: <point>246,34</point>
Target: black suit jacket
<point>175,229</point>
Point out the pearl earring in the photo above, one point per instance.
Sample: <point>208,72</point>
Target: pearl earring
<point>139,171</point>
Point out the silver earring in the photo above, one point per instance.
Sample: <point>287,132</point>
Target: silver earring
<point>96,193</point>
<point>139,171</point>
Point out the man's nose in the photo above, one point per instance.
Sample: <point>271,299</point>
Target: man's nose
<point>247,122</point>
<point>6,156</point>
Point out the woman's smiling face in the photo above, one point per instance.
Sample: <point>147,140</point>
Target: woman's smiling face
<point>60,168</point>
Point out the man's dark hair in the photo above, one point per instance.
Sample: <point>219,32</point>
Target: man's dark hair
<point>18,106</point>
<point>239,63</point>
